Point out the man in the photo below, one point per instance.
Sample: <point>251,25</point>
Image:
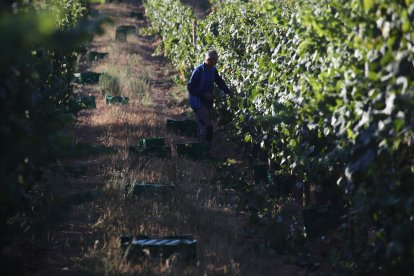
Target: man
<point>200,88</point>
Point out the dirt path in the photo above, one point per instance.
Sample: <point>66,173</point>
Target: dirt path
<point>87,241</point>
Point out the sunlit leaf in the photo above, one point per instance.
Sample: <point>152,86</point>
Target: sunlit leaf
<point>368,4</point>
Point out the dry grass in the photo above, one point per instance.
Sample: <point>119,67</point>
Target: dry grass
<point>193,207</point>
<point>125,74</point>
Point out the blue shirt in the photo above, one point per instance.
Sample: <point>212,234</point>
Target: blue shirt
<point>202,81</point>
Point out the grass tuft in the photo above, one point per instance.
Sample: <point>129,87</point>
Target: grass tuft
<point>125,73</point>
<point>109,85</point>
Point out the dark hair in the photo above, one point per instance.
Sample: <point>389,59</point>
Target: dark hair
<point>211,54</point>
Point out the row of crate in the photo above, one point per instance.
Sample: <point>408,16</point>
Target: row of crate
<point>134,248</point>
<point>89,102</point>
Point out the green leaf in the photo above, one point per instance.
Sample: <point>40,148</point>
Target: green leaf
<point>368,4</point>
<point>398,124</point>
<point>351,135</point>
<point>406,23</point>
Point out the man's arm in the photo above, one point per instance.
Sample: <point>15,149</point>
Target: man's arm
<point>193,84</point>
<point>220,83</point>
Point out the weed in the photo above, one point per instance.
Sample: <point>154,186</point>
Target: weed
<point>128,77</point>
<point>179,93</point>
<point>149,31</point>
<point>109,85</point>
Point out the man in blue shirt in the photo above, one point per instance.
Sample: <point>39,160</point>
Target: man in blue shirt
<point>200,88</point>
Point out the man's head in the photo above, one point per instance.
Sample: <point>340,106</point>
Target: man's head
<point>211,57</point>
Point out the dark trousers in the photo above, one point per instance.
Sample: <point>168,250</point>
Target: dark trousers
<point>205,127</point>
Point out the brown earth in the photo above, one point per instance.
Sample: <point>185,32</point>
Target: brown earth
<point>86,239</point>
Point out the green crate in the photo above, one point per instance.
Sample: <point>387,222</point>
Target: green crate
<point>94,13</point>
<point>160,152</point>
<point>152,142</point>
<point>129,29</point>
<point>95,56</point>
<point>145,188</point>
<point>184,127</point>
<point>317,220</point>
<point>87,77</point>
<point>154,147</point>
<point>120,36</point>
<point>86,102</point>
<point>116,100</point>
<point>135,247</point>
<point>121,32</point>
<point>137,15</point>
<point>193,150</point>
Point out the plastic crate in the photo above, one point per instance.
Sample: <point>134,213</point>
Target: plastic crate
<point>137,15</point>
<point>184,127</point>
<point>95,56</point>
<point>87,77</point>
<point>160,152</point>
<point>121,32</point>
<point>193,150</point>
<point>86,102</point>
<point>129,29</point>
<point>134,247</point>
<point>116,100</point>
<point>154,147</point>
<point>120,36</point>
<point>152,142</point>
<point>94,13</point>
